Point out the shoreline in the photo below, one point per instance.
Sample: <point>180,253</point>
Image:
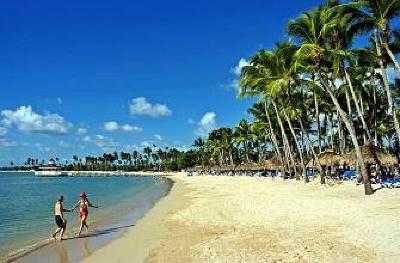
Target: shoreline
<point>103,229</point>
<point>255,219</point>
<point>149,228</point>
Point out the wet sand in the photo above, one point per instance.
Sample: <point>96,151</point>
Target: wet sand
<point>243,219</point>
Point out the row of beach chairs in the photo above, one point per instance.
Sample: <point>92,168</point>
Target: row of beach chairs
<point>390,183</point>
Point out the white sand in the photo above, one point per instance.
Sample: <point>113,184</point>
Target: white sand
<point>242,219</point>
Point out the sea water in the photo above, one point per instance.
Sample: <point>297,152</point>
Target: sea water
<point>27,206</point>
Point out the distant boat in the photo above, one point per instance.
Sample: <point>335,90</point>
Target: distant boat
<point>50,170</point>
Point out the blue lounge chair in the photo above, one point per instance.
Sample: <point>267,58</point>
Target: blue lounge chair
<point>390,183</point>
<point>349,175</point>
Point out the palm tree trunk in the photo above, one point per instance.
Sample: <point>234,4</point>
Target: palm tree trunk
<point>246,153</point>
<point>358,109</point>
<point>274,140</point>
<point>360,159</point>
<point>308,141</point>
<point>285,138</point>
<point>362,112</point>
<point>231,157</point>
<point>303,167</point>
<point>386,86</point>
<point>331,135</point>
<point>342,143</point>
<point>349,108</point>
<point>391,55</point>
<point>375,122</point>
<point>348,103</point>
<point>318,122</point>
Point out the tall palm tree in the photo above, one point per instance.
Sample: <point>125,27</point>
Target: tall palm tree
<point>313,55</point>
<point>260,78</point>
<point>377,18</point>
<point>262,120</point>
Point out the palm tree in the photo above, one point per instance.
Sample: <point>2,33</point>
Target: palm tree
<point>262,115</point>
<point>313,55</point>
<point>75,158</point>
<point>260,78</point>
<point>200,145</point>
<point>243,136</point>
<point>147,151</point>
<point>135,156</point>
<point>377,18</point>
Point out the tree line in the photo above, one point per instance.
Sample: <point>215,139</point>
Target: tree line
<point>150,158</point>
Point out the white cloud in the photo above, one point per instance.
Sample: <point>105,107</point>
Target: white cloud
<point>158,137</point>
<point>107,144</point>
<point>45,149</point>
<point>87,139</point>
<point>141,107</point>
<point>237,70</point>
<point>130,128</point>
<point>63,144</point>
<point>3,131</point>
<point>191,121</point>
<point>59,100</point>
<point>146,144</point>
<point>206,124</point>
<point>42,148</point>
<point>7,143</point>
<point>112,126</point>
<point>234,85</point>
<point>81,131</point>
<point>26,120</point>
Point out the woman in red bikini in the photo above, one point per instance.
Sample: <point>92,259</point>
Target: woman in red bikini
<point>83,205</point>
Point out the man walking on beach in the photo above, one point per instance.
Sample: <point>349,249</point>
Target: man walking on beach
<point>61,222</point>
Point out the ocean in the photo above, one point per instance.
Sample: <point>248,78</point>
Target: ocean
<point>27,209</point>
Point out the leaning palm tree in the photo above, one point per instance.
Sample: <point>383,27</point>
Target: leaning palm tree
<point>260,79</point>
<point>315,57</point>
<point>377,18</point>
<point>262,116</point>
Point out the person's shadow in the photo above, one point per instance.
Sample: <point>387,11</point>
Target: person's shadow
<point>100,232</point>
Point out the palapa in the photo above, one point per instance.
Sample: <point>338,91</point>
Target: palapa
<point>372,155</point>
<point>326,158</point>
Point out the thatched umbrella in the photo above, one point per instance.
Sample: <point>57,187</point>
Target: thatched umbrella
<point>241,167</point>
<point>326,158</point>
<point>227,168</point>
<point>372,155</point>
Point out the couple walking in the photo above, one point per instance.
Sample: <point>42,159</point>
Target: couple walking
<point>61,222</point>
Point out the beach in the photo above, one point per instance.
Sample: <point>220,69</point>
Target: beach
<point>255,219</point>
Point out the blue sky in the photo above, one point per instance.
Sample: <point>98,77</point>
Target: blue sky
<point>84,77</point>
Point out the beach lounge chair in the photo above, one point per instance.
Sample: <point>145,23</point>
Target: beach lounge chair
<point>396,183</point>
<point>349,175</point>
<point>390,183</point>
